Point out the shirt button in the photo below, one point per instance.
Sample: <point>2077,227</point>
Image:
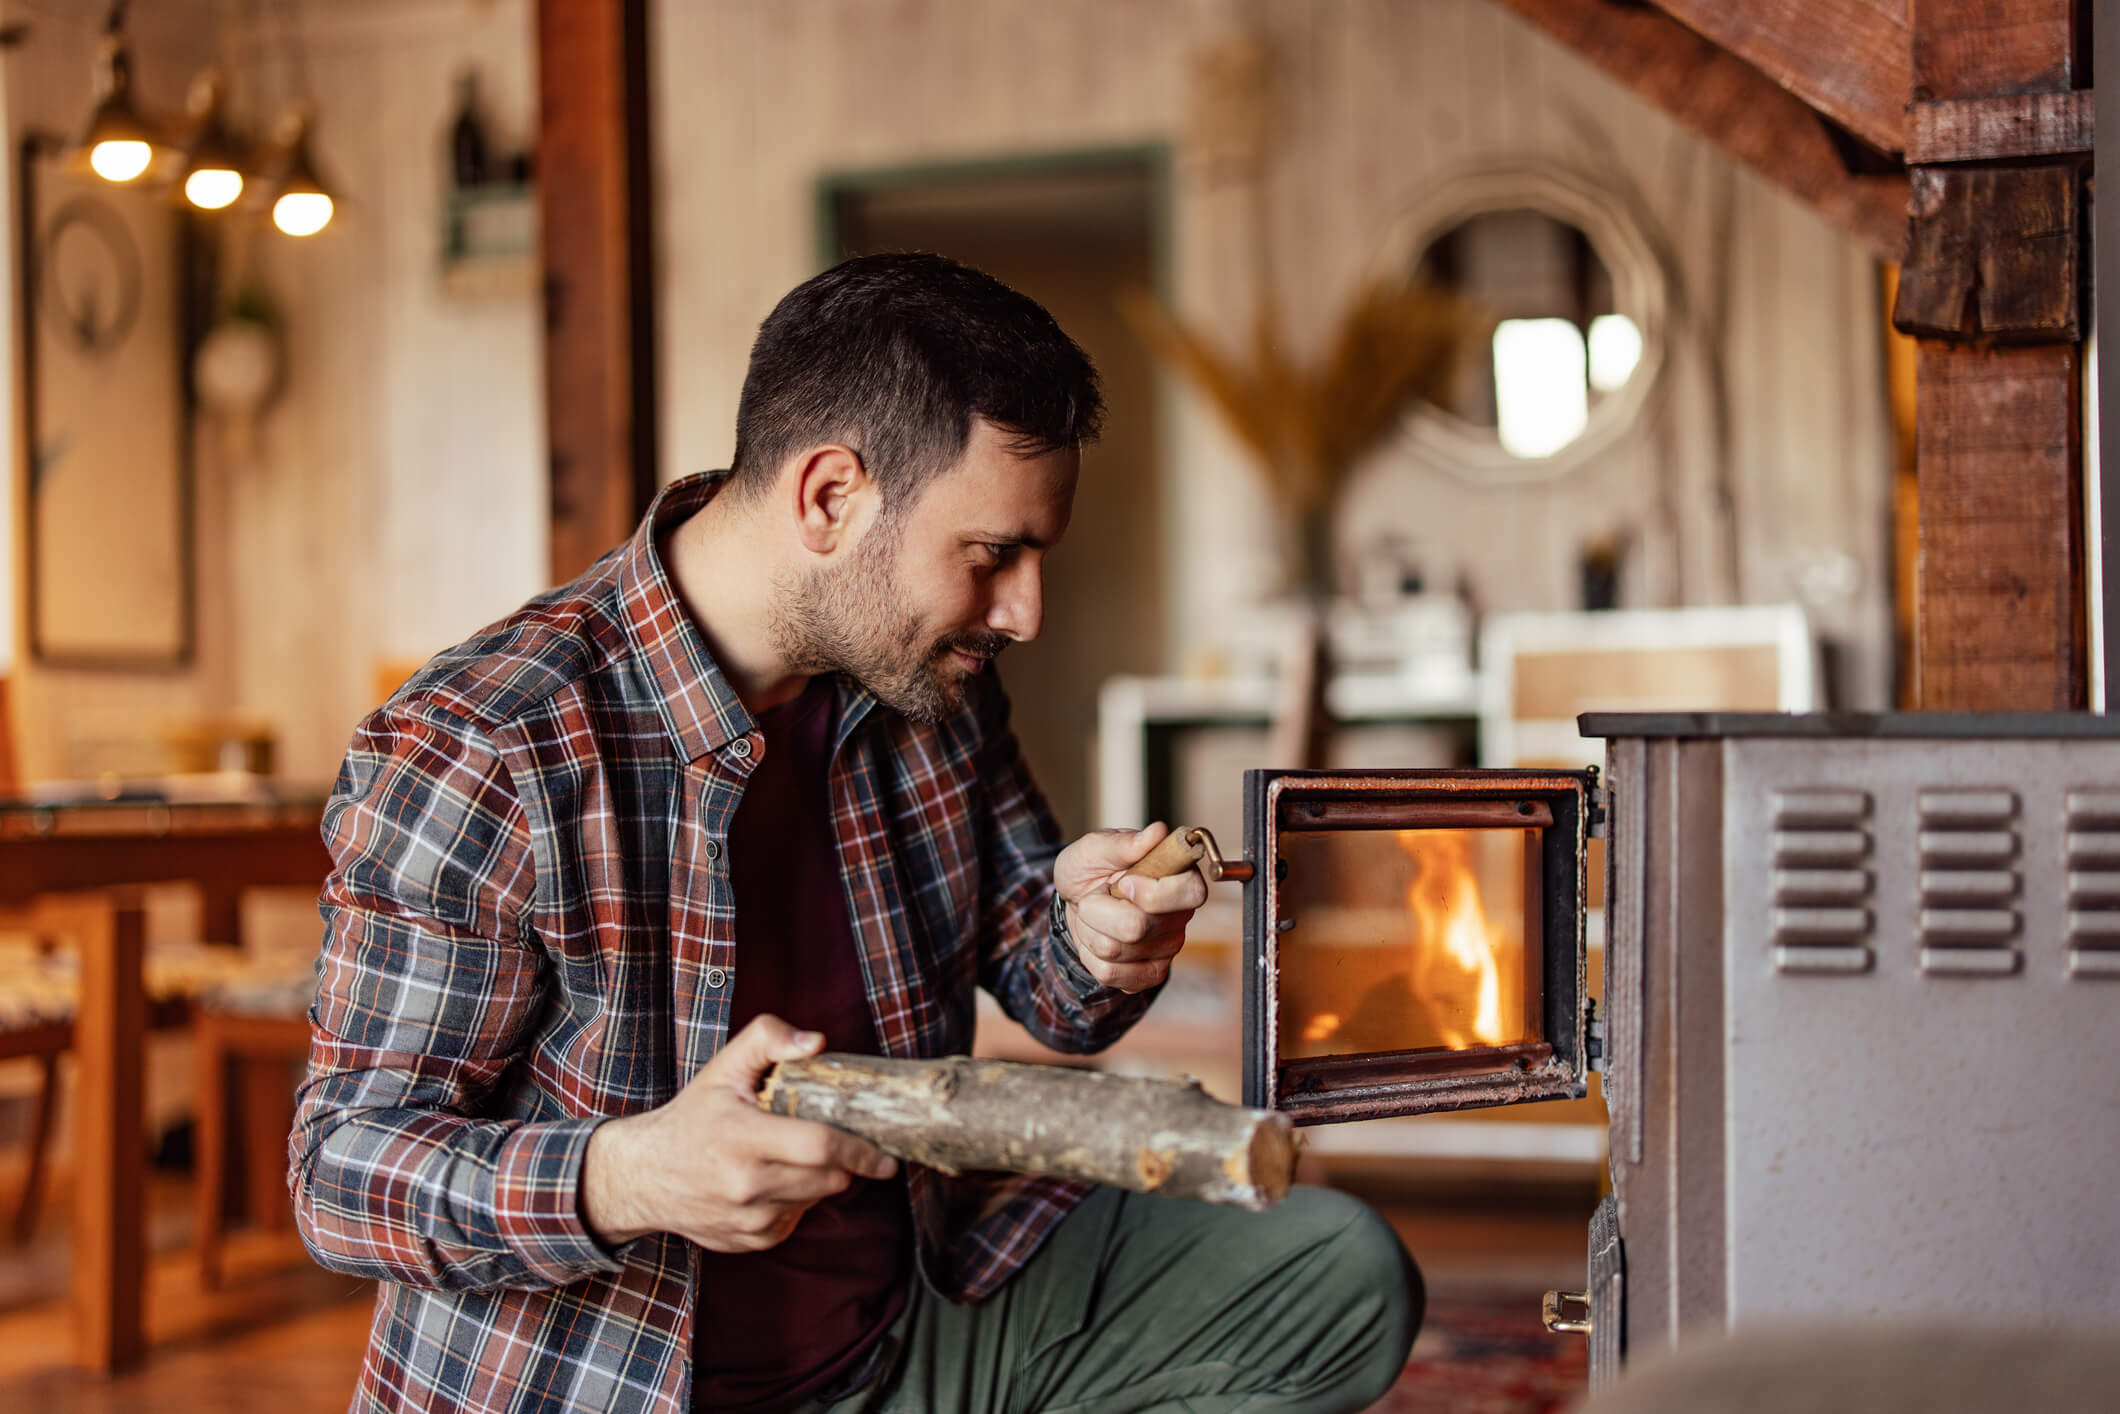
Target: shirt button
<point>740,748</point>
<point>716,978</point>
<point>713,849</point>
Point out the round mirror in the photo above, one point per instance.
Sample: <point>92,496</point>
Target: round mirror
<point>1576,292</point>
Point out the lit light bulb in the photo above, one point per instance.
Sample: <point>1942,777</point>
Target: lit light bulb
<point>213,187</point>
<point>119,161</point>
<point>302,213</point>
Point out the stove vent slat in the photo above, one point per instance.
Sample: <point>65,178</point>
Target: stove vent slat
<point>2094,883</point>
<point>2093,962</point>
<point>1840,960</point>
<point>1968,849</point>
<point>1796,887</point>
<point>2094,809</point>
<point>1968,927</point>
<point>1968,886</point>
<point>1821,925</point>
<point>2093,849</point>
<point>1820,809</point>
<point>1970,962</point>
<point>1820,849</point>
<point>1967,809</point>
<point>1822,883</point>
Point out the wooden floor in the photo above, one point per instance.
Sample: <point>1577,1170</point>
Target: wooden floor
<point>283,1337</point>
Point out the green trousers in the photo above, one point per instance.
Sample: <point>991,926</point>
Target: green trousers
<point>1139,1304</point>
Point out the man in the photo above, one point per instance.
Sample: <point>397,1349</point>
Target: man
<point>743,790</point>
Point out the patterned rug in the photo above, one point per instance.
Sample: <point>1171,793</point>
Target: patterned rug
<point>1489,1355</point>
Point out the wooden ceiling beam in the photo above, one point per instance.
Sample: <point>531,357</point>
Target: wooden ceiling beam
<point>1849,59</point>
<point>1733,105</point>
<point>595,214</point>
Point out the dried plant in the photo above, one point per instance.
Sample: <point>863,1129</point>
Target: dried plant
<point>1309,426</point>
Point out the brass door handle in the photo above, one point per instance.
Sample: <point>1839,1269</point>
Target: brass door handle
<point>1188,847</point>
<point>1553,1312</point>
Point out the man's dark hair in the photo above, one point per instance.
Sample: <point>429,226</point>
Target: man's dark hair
<point>894,355</point>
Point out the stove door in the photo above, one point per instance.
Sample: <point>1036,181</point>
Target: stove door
<point>1413,940</point>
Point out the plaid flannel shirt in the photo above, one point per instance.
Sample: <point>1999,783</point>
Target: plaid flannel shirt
<point>529,929</point>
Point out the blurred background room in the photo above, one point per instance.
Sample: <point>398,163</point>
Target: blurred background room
<point>1471,364</point>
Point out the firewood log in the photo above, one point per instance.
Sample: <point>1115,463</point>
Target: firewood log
<point>960,1113</point>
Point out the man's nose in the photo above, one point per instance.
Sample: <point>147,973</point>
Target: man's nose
<point>1018,609</point>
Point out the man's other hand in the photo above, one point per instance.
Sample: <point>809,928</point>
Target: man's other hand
<point>1128,941</point>
<point>711,1166</point>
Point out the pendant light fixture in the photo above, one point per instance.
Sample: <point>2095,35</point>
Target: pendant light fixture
<point>214,158</point>
<point>304,205</point>
<point>215,165</point>
<point>118,143</point>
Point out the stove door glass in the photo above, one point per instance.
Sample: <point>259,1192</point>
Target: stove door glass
<point>1408,940</point>
<point>1414,940</point>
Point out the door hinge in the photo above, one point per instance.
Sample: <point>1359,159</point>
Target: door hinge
<point>1593,1037</point>
<point>1600,808</point>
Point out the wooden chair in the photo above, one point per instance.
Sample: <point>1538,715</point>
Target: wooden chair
<point>40,1000</point>
<point>246,1107</point>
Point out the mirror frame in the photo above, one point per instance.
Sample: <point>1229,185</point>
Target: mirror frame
<point>1634,253</point>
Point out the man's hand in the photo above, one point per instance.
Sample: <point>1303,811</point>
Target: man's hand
<point>1125,942</point>
<point>711,1166</point>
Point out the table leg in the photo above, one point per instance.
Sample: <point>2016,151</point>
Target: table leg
<point>109,1225</point>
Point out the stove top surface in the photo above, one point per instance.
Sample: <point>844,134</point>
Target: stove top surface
<point>1940,726</point>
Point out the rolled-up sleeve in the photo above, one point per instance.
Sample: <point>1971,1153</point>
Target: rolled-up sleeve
<point>1030,965</point>
<point>428,988</point>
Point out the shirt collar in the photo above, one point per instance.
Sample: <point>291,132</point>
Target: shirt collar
<point>699,708</point>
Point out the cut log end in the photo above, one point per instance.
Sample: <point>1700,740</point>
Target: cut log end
<point>1270,1160</point>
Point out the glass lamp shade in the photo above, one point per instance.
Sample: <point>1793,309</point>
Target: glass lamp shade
<point>302,213</point>
<point>211,188</point>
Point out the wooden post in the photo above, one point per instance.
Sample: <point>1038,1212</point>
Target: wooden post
<point>1747,116</point>
<point>594,195</point>
<point>1993,285</point>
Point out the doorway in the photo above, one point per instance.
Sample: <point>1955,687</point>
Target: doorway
<point>1072,231</point>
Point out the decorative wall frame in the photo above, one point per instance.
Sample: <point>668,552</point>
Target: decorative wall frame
<point>1625,238</point>
<point>113,285</point>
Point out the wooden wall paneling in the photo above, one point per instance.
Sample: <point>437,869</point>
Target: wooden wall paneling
<point>1735,106</point>
<point>594,185</point>
<point>1993,255</point>
<point>1846,58</point>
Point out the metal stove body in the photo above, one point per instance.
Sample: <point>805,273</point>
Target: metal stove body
<point>1862,990</point>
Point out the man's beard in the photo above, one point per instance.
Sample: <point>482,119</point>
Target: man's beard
<point>853,620</point>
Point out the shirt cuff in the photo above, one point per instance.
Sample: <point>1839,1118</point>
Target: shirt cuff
<point>537,1201</point>
<point>1088,990</point>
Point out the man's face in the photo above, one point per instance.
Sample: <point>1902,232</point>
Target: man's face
<point>929,593</point>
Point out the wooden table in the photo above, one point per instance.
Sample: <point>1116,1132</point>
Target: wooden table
<point>85,863</point>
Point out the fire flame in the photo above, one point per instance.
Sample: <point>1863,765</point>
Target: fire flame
<point>1456,951</point>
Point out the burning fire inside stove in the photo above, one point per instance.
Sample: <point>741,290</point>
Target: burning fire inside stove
<point>1403,940</point>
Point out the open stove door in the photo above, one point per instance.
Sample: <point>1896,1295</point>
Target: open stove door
<point>1413,940</point>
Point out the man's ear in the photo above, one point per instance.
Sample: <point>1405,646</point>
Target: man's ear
<point>831,490</point>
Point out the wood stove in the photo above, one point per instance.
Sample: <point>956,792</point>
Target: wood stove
<point>1863,978</point>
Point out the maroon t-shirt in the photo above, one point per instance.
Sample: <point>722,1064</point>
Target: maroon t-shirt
<point>777,1326</point>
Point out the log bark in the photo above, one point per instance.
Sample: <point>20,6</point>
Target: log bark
<point>959,1113</point>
